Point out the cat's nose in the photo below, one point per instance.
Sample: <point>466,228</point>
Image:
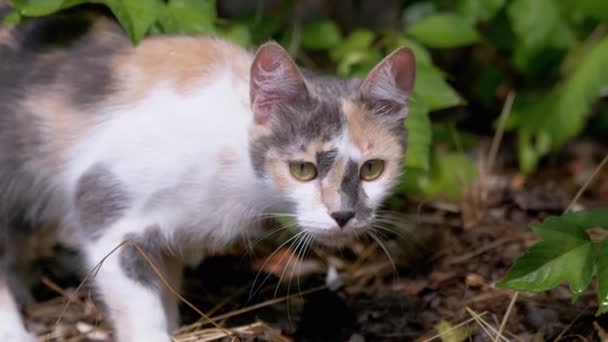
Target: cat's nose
<point>342,217</point>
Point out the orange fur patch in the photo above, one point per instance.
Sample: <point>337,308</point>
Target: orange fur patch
<point>373,138</point>
<point>63,123</point>
<point>181,61</point>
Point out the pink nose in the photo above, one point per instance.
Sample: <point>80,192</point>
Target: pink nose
<point>342,217</point>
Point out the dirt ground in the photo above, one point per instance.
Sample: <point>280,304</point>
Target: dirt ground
<point>447,258</point>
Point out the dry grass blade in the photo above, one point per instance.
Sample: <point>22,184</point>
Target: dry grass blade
<point>502,121</point>
<point>487,327</point>
<point>230,314</point>
<point>213,334</point>
<point>503,323</point>
<point>457,326</point>
<point>586,184</point>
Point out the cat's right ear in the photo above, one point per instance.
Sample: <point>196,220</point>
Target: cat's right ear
<point>274,80</point>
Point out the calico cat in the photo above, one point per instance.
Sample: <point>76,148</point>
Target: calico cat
<point>180,144</point>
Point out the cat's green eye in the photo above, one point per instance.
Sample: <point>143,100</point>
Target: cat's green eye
<point>302,170</point>
<point>371,169</point>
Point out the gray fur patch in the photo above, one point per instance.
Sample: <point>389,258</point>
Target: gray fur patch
<point>133,263</point>
<point>325,161</point>
<point>55,52</point>
<point>350,187</point>
<point>100,200</point>
<point>318,118</point>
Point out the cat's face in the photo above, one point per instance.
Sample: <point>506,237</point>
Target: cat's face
<point>333,147</point>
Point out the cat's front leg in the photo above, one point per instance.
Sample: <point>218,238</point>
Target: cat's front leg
<point>11,325</point>
<point>131,290</point>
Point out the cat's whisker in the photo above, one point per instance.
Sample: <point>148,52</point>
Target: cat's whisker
<point>297,263</point>
<point>286,266</point>
<point>272,232</point>
<point>253,289</point>
<point>388,255</point>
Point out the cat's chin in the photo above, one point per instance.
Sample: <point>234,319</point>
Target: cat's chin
<point>335,239</point>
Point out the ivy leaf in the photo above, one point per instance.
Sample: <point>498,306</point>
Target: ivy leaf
<point>419,135</point>
<point>565,253</point>
<point>320,35</point>
<point>602,277</point>
<point>445,31</point>
<point>431,87</point>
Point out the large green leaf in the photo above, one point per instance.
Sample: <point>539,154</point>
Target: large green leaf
<point>445,30</point>
<point>564,254</point>
<point>418,125</point>
<point>433,89</point>
<point>190,16</point>
<point>561,114</point>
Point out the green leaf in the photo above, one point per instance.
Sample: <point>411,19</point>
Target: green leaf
<point>189,16</point>
<point>320,35</point>
<point>602,277</point>
<point>480,10</point>
<point>356,41</point>
<point>558,116</point>
<point>35,8</point>
<point>445,31</point>
<point>533,21</point>
<point>597,9</point>
<point>358,63</point>
<point>395,41</point>
<point>238,34</point>
<point>433,89</point>
<point>546,265</point>
<point>564,254</point>
<point>448,177</point>
<point>419,135</point>
<point>136,17</point>
<point>12,18</point>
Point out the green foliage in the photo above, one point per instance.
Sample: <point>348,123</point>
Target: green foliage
<point>320,35</point>
<point>555,50</point>
<point>565,253</point>
<point>445,31</point>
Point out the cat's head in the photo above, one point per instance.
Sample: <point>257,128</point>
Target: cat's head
<point>333,147</point>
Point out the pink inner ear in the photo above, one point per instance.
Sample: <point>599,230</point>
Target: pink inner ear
<point>274,79</point>
<point>392,79</point>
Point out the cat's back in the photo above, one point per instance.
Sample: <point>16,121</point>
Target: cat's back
<point>63,77</point>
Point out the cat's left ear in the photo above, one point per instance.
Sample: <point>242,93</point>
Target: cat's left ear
<point>389,85</point>
<point>275,80</point>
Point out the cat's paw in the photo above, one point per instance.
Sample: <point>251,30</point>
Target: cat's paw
<point>16,334</point>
